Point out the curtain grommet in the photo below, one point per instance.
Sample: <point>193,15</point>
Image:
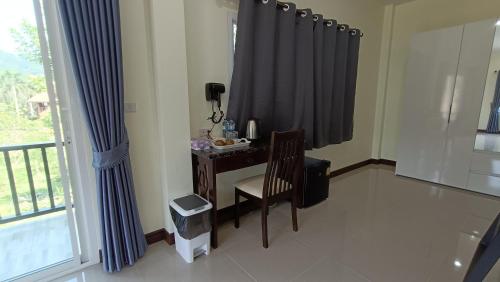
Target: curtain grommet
<point>342,27</point>
<point>329,23</point>
<point>315,18</point>
<point>286,7</point>
<point>354,32</point>
<point>303,13</point>
<point>265,1</point>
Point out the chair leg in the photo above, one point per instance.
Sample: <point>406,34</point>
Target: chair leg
<point>294,213</point>
<point>236,208</point>
<point>264,226</point>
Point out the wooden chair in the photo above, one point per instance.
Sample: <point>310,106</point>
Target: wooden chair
<point>283,174</point>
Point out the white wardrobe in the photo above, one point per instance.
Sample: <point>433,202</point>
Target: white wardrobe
<point>445,81</point>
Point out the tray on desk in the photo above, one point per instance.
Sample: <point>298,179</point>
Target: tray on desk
<point>238,144</point>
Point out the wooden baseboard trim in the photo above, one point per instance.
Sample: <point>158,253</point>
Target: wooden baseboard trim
<point>383,162</point>
<point>483,131</point>
<point>349,168</point>
<point>360,165</point>
<point>156,236</point>
<point>160,235</point>
<point>170,239</point>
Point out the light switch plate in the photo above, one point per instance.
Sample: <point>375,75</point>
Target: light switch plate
<point>130,107</point>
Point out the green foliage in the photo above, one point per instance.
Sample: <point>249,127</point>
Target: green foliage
<point>16,89</point>
<point>37,83</point>
<point>21,130</point>
<point>28,43</point>
<point>17,86</point>
<point>14,62</point>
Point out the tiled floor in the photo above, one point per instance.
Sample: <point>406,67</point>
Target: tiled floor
<point>374,227</point>
<point>34,243</point>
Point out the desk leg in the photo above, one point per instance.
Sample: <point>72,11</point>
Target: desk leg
<point>195,172</point>
<point>212,179</point>
<point>207,188</point>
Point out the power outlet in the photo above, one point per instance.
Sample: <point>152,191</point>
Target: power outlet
<point>130,107</point>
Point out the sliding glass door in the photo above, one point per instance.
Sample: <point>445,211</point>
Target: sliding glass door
<point>38,230</point>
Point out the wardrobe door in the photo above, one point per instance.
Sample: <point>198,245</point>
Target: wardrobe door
<point>429,87</point>
<point>472,71</point>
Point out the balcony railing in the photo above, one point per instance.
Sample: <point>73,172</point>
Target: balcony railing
<point>36,209</point>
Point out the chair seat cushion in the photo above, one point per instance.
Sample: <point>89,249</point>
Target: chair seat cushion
<point>252,185</point>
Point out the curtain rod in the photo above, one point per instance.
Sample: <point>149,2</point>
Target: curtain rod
<point>303,13</point>
<point>286,7</point>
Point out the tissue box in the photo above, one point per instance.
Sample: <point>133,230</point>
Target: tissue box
<point>200,144</point>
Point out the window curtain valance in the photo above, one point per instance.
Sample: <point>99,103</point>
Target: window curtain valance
<point>294,69</point>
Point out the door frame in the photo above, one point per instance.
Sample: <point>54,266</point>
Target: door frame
<point>83,218</point>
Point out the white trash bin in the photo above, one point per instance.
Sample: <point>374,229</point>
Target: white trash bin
<point>191,216</point>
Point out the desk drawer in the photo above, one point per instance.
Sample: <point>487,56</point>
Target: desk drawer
<point>239,161</point>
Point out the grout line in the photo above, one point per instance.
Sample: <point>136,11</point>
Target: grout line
<point>241,267</point>
<point>320,260</point>
<point>351,268</point>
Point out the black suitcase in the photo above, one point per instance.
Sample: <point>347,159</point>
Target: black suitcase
<point>316,182</point>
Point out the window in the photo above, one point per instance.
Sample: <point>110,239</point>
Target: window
<point>232,28</point>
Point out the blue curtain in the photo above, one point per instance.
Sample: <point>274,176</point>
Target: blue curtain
<point>92,29</point>
<point>495,105</point>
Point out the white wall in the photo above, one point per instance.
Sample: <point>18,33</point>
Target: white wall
<point>207,49</point>
<point>409,18</point>
<point>142,125</point>
<point>155,61</point>
<point>171,99</point>
<point>491,82</point>
<point>154,55</point>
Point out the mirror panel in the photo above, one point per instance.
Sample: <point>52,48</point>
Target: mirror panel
<point>488,130</point>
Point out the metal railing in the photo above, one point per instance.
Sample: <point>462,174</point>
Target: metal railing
<point>36,210</point>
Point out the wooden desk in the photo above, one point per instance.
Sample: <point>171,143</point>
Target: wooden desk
<point>207,163</point>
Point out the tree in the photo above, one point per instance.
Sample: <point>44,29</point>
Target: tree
<point>28,43</point>
<point>15,88</point>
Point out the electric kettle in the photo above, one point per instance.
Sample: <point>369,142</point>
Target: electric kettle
<point>253,129</point>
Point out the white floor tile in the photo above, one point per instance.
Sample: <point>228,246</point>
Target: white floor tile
<point>374,227</point>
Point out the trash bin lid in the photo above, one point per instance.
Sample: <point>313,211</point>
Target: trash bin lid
<point>190,204</point>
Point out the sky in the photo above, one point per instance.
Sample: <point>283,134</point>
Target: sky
<point>12,12</point>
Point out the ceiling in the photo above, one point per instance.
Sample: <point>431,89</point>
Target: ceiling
<point>396,1</point>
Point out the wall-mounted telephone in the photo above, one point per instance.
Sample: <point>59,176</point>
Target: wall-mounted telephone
<point>212,93</point>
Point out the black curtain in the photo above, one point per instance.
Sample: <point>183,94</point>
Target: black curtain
<point>350,90</point>
<point>293,69</point>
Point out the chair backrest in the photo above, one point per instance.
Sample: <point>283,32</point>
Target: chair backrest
<point>285,164</point>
